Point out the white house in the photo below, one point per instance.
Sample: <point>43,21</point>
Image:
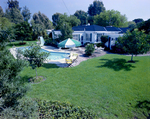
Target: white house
<point>93,33</point>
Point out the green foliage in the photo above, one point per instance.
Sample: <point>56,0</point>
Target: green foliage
<point>55,18</point>
<point>71,20</point>
<point>96,8</point>
<point>11,87</point>
<point>1,12</point>
<point>138,20</point>
<point>135,42</point>
<point>26,109</point>
<point>40,23</point>
<point>14,15</point>
<point>35,57</point>
<point>26,14</point>
<point>13,4</point>
<point>82,15</point>
<point>91,20</point>
<point>144,26</point>
<point>41,19</point>
<point>110,18</point>
<point>131,24</point>
<point>89,49</point>
<point>66,31</point>
<point>23,31</point>
<point>3,39</point>
<point>55,109</point>
<point>104,39</point>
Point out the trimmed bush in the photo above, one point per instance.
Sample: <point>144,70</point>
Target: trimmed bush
<point>89,49</point>
<point>104,39</point>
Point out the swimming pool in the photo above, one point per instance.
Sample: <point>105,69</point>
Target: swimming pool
<point>53,55</point>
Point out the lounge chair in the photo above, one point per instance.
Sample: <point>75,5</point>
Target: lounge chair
<point>69,61</point>
<point>72,59</point>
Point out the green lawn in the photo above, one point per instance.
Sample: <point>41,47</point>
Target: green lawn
<point>108,85</point>
<point>16,44</point>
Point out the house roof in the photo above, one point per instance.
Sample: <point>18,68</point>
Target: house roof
<point>111,28</point>
<point>98,28</point>
<point>124,30</point>
<point>89,28</point>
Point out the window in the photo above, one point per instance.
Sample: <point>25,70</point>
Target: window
<point>88,37</point>
<point>99,37</point>
<point>76,37</point>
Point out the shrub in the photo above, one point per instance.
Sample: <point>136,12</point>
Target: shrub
<point>55,109</point>
<point>104,39</point>
<point>115,49</point>
<point>100,44</point>
<point>26,108</point>
<point>89,49</point>
<point>22,43</point>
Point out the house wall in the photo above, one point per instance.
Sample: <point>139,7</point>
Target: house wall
<point>112,34</point>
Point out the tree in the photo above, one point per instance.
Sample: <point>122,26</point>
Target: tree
<point>40,23</point>
<point>1,12</point>
<point>23,31</point>
<point>71,20</point>
<point>82,15</point>
<point>35,57</point>
<point>135,42</point>
<point>131,24</point>
<point>26,14</point>
<point>139,20</point>
<point>66,31</point>
<point>14,15</point>
<point>144,26</point>
<point>12,89</point>
<point>55,18</point>
<point>13,4</point>
<point>42,19</point>
<point>7,27</point>
<point>110,18</point>
<point>96,8</point>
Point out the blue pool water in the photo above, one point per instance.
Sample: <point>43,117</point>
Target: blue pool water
<point>53,55</point>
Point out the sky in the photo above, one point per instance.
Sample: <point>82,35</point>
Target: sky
<point>133,9</point>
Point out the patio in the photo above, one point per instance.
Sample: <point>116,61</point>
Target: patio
<point>79,51</point>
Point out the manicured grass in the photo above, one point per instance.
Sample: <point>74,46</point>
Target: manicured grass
<point>108,85</point>
<point>16,44</point>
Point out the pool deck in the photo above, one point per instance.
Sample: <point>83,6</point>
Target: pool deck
<point>62,63</point>
<point>80,51</point>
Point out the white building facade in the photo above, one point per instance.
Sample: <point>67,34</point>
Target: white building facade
<point>93,33</point>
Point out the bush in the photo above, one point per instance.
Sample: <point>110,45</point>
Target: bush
<point>27,108</point>
<point>100,44</point>
<point>104,39</point>
<point>22,43</point>
<point>89,49</point>
<point>55,110</point>
<point>51,42</point>
<point>115,49</point>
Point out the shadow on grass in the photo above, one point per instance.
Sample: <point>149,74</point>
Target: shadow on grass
<point>117,64</point>
<point>48,66</point>
<point>25,79</point>
<point>144,105</point>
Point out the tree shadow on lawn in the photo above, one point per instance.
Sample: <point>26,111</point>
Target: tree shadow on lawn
<point>144,105</point>
<point>26,78</point>
<point>117,64</point>
<point>48,66</point>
